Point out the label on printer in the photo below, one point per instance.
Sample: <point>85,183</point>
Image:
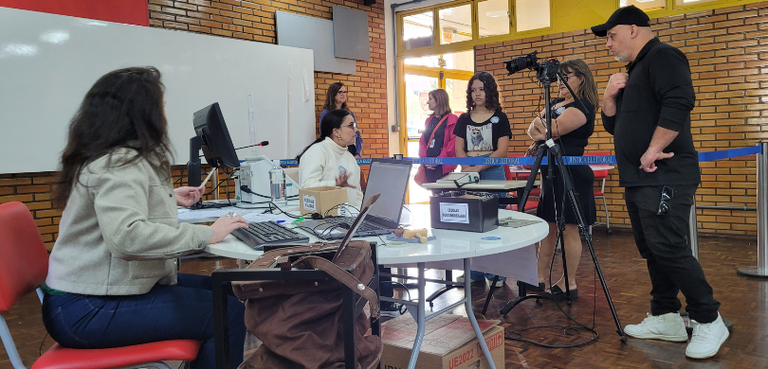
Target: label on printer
<point>309,203</point>
<point>454,212</point>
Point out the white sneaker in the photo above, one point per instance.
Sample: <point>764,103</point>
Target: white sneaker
<point>667,327</point>
<point>500,283</point>
<point>460,279</point>
<point>707,339</point>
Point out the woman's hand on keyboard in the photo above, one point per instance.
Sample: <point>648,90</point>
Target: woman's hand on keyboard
<point>225,225</point>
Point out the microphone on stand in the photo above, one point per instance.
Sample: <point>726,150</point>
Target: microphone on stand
<point>262,143</point>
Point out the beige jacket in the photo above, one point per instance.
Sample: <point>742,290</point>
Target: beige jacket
<point>119,233</point>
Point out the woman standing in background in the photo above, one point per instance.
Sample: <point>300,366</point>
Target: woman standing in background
<point>438,139</point>
<point>572,125</point>
<point>483,131</point>
<point>336,98</point>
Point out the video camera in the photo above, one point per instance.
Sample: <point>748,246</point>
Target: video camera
<point>546,71</point>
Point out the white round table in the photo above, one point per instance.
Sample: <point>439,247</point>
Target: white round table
<point>447,245</point>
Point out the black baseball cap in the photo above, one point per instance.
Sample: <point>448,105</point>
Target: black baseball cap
<point>626,15</point>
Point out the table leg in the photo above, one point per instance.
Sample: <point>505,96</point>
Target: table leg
<point>471,315</point>
<point>419,316</point>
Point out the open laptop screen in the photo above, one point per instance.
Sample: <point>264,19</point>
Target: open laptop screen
<point>390,178</point>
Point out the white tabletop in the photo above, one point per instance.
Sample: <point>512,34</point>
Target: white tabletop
<point>447,245</point>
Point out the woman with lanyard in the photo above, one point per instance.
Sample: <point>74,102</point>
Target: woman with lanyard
<point>437,140</point>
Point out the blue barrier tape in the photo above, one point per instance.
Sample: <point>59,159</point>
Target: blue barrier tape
<point>569,160</point>
<point>727,154</point>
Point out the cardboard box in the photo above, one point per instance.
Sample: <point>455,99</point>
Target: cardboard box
<point>321,199</point>
<point>449,343</point>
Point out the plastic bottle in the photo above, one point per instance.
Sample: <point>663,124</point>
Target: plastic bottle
<point>277,184</point>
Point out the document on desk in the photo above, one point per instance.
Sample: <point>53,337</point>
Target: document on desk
<point>201,215</point>
<point>515,223</point>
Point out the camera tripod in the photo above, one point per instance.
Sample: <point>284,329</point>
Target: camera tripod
<point>555,161</point>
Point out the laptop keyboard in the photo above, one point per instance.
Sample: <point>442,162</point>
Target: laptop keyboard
<point>268,233</point>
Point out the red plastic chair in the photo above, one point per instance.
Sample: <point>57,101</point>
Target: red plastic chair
<point>24,266</point>
<point>600,193</point>
<point>511,176</point>
<point>530,206</point>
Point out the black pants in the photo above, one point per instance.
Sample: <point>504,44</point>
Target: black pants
<point>663,242</point>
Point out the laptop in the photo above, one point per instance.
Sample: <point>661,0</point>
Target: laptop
<point>387,177</point>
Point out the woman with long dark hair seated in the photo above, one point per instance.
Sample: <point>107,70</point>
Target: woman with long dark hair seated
<point>112,276</point>
<point>327,162</point>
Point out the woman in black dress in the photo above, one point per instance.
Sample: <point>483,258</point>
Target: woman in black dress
<point>572,125</point>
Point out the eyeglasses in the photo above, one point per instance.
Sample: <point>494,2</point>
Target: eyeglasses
<point>352,125</point>
<point>666,194</point>
<point>568,76</point>
<point>342,92</point>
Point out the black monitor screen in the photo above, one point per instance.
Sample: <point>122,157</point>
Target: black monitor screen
<point>213,138</point>
<point>218,149</point>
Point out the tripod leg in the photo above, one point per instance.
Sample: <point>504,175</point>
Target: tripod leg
<point>568,181</point>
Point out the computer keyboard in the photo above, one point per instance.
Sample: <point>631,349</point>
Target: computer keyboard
<point>268,233</point>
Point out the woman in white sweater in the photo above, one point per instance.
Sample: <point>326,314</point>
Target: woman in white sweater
<point>327,162</point>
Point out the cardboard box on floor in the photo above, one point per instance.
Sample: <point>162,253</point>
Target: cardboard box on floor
<point>321,199</point>
<point>449,343</point>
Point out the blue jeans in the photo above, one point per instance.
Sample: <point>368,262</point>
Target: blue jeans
<point>494,172</point>
<point>182,311</point>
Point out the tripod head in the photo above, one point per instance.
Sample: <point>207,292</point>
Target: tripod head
<point>546,71</point>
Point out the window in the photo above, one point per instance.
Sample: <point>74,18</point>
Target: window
<point>532,14</point>
<point>417,30</point>
<point>455,24</point>
<point>493,17</point>
<point>645,4</point>
<point>690,2</point>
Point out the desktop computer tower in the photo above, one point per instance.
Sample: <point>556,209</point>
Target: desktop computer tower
<point>254,173</point>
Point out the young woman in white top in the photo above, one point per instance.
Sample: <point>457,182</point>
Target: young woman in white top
<point>327,162</point>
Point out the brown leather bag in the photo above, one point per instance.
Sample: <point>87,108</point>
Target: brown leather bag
<point>299,321</point>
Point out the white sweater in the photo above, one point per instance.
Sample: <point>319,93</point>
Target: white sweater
<point>322,163</point>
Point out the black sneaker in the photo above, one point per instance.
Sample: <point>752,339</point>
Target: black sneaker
<point>393,310</point>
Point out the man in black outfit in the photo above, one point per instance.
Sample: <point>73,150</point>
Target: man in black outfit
<point>647,109</point>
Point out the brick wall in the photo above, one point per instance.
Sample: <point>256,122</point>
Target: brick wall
<point>728,61</point>
<point>248,20</point>
<point>255,20</point>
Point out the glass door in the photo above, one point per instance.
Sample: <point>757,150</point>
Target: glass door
<point>417,88</point>
<point>422,75</point>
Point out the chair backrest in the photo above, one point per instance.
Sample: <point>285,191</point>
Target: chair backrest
<point>23,257</point>
<point>511,176</point>
<point>599,174</point>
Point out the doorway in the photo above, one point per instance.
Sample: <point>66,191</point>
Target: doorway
<point>450,72</point>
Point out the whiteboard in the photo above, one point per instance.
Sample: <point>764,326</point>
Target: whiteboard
<point>48,62</point>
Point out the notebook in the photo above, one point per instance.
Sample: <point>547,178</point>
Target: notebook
<point>389,178</point>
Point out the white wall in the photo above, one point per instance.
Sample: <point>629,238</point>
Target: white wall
<point>48,62</point>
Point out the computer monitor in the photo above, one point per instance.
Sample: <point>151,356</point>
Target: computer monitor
<point>212,136</point>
